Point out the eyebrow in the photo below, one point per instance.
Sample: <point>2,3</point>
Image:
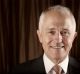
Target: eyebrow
<point>55,29</point>
<point>51,28</point>
<point>66,29</point>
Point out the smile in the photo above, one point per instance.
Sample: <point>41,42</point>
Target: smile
<point>55,47</point>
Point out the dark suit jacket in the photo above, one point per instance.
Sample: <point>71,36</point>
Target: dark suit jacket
<point>37,67</point>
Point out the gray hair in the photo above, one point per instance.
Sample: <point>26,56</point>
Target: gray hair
<point>58,8</point>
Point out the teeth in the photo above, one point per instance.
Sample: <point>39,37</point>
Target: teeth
<point>58,47</point>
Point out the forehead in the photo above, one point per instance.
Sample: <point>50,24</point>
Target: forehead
<point>56,20</point>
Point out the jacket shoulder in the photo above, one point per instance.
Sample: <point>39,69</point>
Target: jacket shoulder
<point>31,66</point>
<point>74,66</point>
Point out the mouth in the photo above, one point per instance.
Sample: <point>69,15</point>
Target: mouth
<point>57,47</point>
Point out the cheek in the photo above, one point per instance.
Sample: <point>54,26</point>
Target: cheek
<point>67,42</point>
<point>47,39</point>
<point>46,42</point>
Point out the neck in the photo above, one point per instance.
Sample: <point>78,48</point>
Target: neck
<point>57,60</point>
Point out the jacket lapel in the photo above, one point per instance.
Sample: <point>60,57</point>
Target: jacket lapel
<point>73,66</point>
<point>38,66</point>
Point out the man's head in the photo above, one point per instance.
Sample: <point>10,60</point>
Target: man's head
<point>56,32</point>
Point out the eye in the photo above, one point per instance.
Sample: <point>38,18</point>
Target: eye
<point>52,32</point>
<point>65,33</point>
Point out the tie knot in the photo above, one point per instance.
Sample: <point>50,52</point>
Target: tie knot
<point>57,69</point>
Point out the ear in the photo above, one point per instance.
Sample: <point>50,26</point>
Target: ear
<point>39,36</point>
<point>75,35</point>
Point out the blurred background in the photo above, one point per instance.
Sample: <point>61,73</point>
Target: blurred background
<point>18,25</point>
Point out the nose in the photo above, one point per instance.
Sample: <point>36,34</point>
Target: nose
<point>59,38</point>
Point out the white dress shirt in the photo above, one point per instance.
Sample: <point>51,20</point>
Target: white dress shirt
<point>49,64</point>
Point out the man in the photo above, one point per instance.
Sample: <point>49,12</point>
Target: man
<point>56,33</point>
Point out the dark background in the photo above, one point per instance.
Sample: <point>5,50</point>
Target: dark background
<point>18,25</point>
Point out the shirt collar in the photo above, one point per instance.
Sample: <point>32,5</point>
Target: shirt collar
<point>64,64</point>
<point>49,64</point>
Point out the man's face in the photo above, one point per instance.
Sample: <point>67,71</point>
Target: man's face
<point>56,36</point>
